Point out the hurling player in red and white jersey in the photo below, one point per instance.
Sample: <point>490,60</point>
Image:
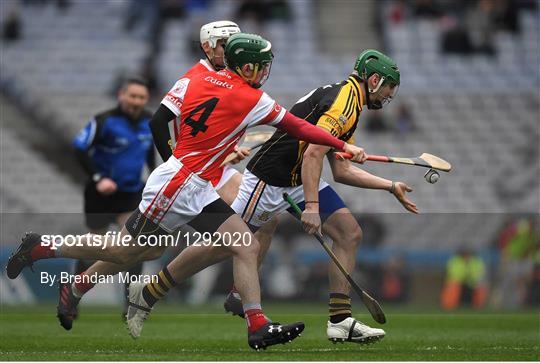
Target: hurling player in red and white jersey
<point>216,109</point>
<point>213,37</point>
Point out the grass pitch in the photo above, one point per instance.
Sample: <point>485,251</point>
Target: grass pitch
<point>182,333</point>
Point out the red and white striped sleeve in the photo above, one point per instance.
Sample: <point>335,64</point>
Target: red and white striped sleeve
<point>266,112</point>
<point>174,99</point>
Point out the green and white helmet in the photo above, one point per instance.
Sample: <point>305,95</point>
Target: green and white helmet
<point>372,61</point>
<point>252,49</point>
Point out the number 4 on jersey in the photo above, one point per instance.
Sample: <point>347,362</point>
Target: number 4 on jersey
<point>199,125</point>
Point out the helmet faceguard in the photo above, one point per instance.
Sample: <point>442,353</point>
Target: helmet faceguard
<point>260,75</point>
<point>211,33</point>
<point>370,62</point>
<point>253,50</point>
<point>379,100</point>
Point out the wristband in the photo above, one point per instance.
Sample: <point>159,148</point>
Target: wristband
<point>311,201</point>
<point>392,188</point>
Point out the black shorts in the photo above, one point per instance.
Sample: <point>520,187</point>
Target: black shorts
<point>101,210</point>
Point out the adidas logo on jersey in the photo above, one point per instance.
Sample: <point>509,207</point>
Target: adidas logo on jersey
<point>218,82</point>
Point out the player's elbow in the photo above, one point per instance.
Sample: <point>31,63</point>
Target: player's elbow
<point>339,173</point>
<point>338,176</point>
<point>315,152</point>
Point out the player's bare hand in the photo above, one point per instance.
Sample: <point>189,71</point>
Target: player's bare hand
<point>241,153</point>
<point>106,186</point>
<point>400,192</point>
<point>358,154</point>
<point>311,221</point>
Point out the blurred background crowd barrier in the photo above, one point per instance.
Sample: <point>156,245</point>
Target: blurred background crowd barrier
<point>470,93</point>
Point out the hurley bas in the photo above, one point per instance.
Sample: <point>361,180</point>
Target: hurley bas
<point>123,277</point>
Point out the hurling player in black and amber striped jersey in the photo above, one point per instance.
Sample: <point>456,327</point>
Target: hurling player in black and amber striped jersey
<point>286,164</point>
<point>336,108</point>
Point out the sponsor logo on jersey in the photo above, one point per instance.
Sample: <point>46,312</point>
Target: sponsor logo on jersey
<point>176,94</point>
<point>224,73</point>
<point>342,119</point>
<point>177,101</point>
<point>218,82</point>
<point>180,86</point>
<point>334,126</point>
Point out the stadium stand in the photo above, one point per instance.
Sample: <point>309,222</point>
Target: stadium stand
<point>67,60</point>
<point>30,183</point>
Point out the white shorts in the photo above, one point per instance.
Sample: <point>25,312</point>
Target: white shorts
<point>173,195</point>
<point>228,173</point>
<point>258,202</point>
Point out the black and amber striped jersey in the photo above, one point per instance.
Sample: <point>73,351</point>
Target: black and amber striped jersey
<point>335,108</point>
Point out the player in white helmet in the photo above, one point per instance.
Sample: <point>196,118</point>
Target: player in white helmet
<point>213,37</point>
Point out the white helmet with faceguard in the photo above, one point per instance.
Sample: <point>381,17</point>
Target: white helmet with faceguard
<point>216,30</point>
<point>211,33</point>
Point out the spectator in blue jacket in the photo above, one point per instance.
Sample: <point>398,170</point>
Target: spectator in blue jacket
<point>112,148</point>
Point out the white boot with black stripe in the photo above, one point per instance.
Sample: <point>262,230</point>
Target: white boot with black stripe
<point>138,309</point>
<point>351,330</point>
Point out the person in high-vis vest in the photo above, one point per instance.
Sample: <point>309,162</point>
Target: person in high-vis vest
<point>465,281</point>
